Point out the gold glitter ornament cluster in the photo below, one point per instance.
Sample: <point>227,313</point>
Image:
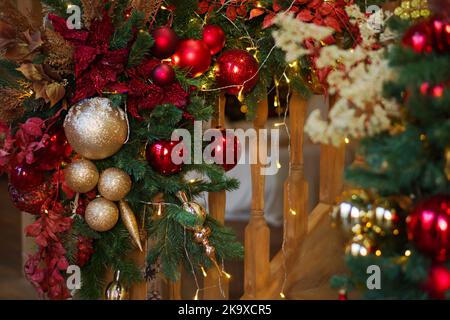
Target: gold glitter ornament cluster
<point>95,128</point>
<point>413,9</point>
<point>101,214</point>
<point>81,175</point>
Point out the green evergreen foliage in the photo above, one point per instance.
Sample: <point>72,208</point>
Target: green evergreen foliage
<point>140,48</point>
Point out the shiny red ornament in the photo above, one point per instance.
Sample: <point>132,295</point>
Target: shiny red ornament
<point>31,201</point>
<point>438,282</point>
<point>25,177</point>
<point>166,42</point>
<point>159,156</point>
<point>194,56</point>
<point>441,33</point>
<point>163,75</point>
<point>227,151</point>
<point>429,227</point>
<point>419,37</point>
<point>56,149</point>
<point>214,37</point>
<point>237,68</point>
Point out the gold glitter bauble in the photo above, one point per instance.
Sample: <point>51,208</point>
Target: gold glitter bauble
<point>114,184</point>
<point>81,176</point>
<point>101,214</point>
<point>115,290</point>
<point>96,129</point>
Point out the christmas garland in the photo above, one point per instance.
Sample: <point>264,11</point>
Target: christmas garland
<point>87,116</point>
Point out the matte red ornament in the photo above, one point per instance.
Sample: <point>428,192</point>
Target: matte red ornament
<point>31,201</point>
<point>227,152</point>
<point>194,56</point>
<point>214,37</point>
<point>163,75</point>
<point>237,68</point>
<point>25,177</point>
<point>438,282</point>
<point>429,227</point>
<point>56,149</point>
<point>159,156</point>
<point>166,42</point>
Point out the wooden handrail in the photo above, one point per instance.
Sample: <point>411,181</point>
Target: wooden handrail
<point>257,233</point>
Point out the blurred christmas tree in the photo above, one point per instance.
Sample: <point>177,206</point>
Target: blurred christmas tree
<point>400,219</point>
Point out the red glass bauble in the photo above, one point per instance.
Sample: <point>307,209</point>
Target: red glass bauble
<point>429,227</point>
<point>194,56</point>
<point>163,75</point>
<point>25,177</point>
<point>214,37</point>
<point>166,42</point>
<point>419,37</point>
<point>55,150</point>
<point>441,33</point>
<point>237,67</point>
<point>227,152</point>
<point>32,200</point>
<point>438,282</point>
<point>159,156</point>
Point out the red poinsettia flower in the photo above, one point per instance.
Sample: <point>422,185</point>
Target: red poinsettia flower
<point>96,66</point>
<point>145,96</point>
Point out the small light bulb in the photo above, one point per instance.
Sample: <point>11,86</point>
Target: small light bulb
<point>196,295</point>
<point>227,275</point>
<point>378,253</point>
<point>347,140</point>
<point>278,165</point>
<point>203,271</point>
<point>293,212</point>
<point>407,253</point>
<point>282,295</point>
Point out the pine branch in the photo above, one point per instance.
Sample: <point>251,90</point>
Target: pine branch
<point>140,48</point>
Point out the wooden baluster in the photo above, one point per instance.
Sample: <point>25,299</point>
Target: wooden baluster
<point>257,233</point>
<point>332,163</point>
<point>217,202</point>
<point>296,187</point>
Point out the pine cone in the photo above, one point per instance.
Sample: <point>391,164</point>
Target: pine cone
<point>154,295</point>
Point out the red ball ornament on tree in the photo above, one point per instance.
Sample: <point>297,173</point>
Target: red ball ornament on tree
<point>163,75</point>
<point>214,37</point>
<point>419,37</point>
<point>166,42</point>
<point>56,149</point>
<point>237,68</point>
<point>25,177</point>
<point>226,151</point>
<point>31,201</point>
<point>429,227</point>
<point>438,282</point>
<point>159,156</point>
<point>194,56</point>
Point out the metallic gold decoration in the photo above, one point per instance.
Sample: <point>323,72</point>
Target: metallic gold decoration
<point>384,213</point>
<point>96,129</point>
<point>114,184</point>
<point>129,220</point>
<point>447,162</point>
<point>115,290</point>
<point>351,211</point>
<point>360,245</point>
<point>81,175</point>
<point>413,9</point>
<point>193,208</point>
<point>101,214</point>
